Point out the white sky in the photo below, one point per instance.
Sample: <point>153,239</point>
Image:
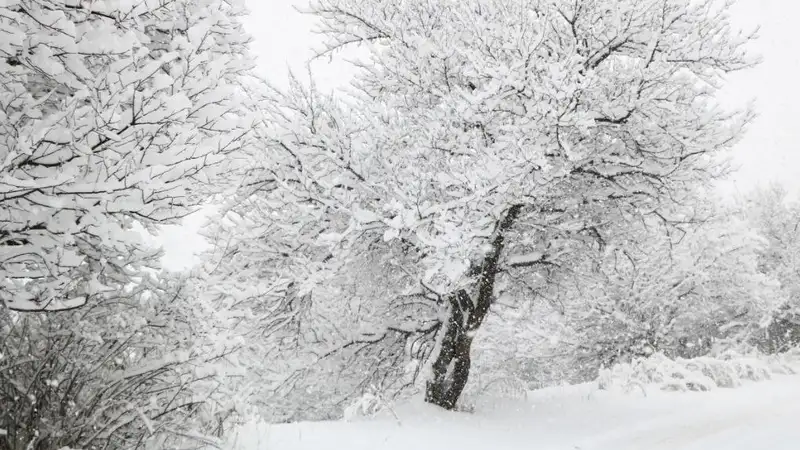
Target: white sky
<point>283,39</point>
<point>769,151</point>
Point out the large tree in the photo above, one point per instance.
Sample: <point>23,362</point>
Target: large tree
<point>111,114</point>
<point>485,147</point>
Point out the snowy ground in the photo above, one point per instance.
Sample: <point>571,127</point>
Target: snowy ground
<point>755,416</point>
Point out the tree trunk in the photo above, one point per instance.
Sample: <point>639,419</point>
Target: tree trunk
<point>451,367</point>
<point>466,314</point>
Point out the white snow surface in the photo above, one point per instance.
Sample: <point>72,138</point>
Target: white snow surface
<point>755,416</point>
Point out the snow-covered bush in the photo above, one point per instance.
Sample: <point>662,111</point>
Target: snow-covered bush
<point>369,404</point>
<point>727,370</point>
<point>140,369</point>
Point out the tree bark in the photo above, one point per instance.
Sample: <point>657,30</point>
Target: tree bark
<point>466,314</point>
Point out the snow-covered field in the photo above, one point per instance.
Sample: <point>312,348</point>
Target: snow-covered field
<point>755,416</point>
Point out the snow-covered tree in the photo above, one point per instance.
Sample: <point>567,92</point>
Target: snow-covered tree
<point>680,294</point>
<point>114,115</point>
<point>776,217</point>
<point>111,113</point>
<point>486,147</point>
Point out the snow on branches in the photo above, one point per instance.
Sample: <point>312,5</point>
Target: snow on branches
<point>568,109</point>
<point>484,146</point>
<point>111,113</point>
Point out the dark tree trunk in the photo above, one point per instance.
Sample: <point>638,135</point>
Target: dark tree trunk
<point>451,367</point>
<point>466,314</point>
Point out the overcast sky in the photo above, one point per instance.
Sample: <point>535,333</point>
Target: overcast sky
<point>769,151</point>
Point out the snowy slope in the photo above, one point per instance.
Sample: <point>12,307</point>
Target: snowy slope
<point>753,417</point>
